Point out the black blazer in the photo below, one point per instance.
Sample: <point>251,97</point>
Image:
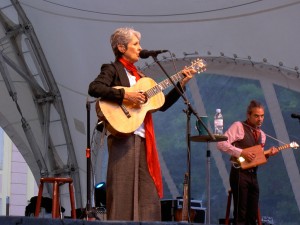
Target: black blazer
<point>114,74</point>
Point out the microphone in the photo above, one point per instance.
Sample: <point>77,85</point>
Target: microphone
<point>144,54</point>
<point>296,116</point>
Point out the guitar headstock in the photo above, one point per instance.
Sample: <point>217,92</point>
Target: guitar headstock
<point>294,145</point>
<point>199,65</point>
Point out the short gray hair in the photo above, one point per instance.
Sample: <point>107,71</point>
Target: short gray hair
<point>122,36</point>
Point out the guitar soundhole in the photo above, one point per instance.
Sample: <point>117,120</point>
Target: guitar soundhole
<point>146,100</point>
<point>146,97</point>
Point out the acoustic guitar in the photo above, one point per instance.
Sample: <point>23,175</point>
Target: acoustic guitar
<point>260,155</point>
<point>183,213</point>
<point>126,118</point>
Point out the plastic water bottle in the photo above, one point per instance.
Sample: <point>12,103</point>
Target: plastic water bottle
<point>218,122</point>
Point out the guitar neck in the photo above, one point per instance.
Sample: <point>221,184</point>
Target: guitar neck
<point>185,199</point>
<point>185,204</point>
<point>164,84</point>
<point>286,146</point>
<point>198,65</point>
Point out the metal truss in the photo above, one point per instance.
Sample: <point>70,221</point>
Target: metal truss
<point>22,58</point>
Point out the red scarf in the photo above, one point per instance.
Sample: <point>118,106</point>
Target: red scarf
<point>151,151</point>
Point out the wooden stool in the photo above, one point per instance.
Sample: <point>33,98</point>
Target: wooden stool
<point>228,210</point>
<point>56,181</point>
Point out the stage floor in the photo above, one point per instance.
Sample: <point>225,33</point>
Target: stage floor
<point>19,220</point>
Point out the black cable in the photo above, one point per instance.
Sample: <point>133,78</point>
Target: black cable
<point>154,15</point>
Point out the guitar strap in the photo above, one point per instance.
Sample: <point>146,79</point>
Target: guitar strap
<point>256,132</point>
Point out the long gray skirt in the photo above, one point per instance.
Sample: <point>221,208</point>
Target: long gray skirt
<point>131,192</point>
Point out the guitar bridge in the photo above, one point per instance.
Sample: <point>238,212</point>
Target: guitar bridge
<point>126,112</point>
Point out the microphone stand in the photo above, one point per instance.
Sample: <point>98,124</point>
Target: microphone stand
<point>90,214</point>
<point>190,110</point>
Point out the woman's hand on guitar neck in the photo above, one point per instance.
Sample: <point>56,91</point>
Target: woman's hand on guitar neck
<point>188,73</point>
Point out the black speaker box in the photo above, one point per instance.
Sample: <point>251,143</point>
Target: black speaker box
<point>169,207</point>
<point>222,221</point>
